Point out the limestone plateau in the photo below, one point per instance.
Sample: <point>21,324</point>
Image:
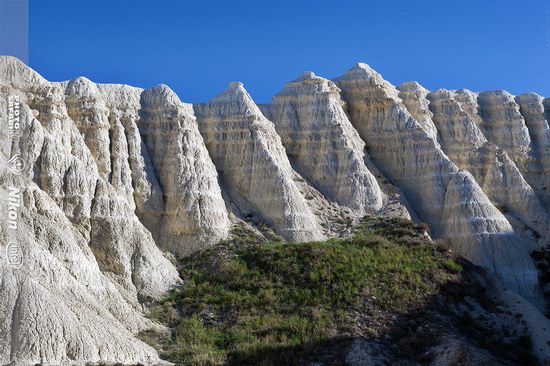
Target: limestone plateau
<point>118,181</point>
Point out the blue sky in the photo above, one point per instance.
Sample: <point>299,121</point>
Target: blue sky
<point>197,47</point>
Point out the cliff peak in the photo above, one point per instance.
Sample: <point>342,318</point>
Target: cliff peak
<point>160,95</point>
<point>14,71</point>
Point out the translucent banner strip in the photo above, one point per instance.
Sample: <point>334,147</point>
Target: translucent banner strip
<point>14,29</point>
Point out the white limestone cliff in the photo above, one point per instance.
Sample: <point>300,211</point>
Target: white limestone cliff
<point>449,200</point>
<point>59,161</point>
<point>89,261</point>
<point>537,120</point>
<point>115,174</point>
<point>322,143</point>
<point>59,308</point>
<point>413,96</point>
<point>195,214</point>
<point>124,107</point>
<point>504,125</point>
<point>464,143</point>
<point>63,304</point>
<point>253,166</point>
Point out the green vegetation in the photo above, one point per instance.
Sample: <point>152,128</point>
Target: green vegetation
<point>262,303</point>
<point>452,266</point>
<point>542,260</point>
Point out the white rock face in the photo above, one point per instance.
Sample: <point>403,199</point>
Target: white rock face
<point>503,125</point>
<point>322,143</point>
<point>413,96</point>
<point>253,165</point>
<point>64,168</point>
<point>166,176</point>
<point>195,214</point>
<point>498,176</point>
<point>484,236</point>
<point>537,119</point>
<point>63,305</point>
<point>124,107</point>
<point>394,139</point>
<point>468,103</point>
<point>88,111</point>
<point>90,259</point>
<point>112,173</point>
<point>58,308</point>
<point>449,200</point>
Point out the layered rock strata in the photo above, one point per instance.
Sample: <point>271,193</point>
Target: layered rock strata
<point>194,214</point>
<point>124,107</point>
<point>113,173</point>
<point>322,143</point>
<point>536,113</point>
<point>448,199</point>
<point>58,308</point>
<point>69,292</point>
<point>253,165</point>
<point>88,261</point>
<point>65,169</point>
<point>464,143</point>
<point>414,96</point>
<point>504,125</point>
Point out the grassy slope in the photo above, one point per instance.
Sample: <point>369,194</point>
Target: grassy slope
<point>252,302</point>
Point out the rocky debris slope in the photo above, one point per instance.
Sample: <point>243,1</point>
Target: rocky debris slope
<point>254,168</point>
<point>322,143</point>
<point>59,308</point>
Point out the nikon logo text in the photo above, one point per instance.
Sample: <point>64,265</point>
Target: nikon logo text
<point>14,203</point>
